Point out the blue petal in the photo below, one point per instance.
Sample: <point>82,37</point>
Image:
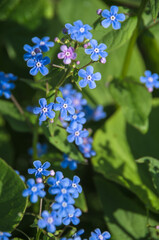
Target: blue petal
<point>42,117</point>
<point>44,70</point>
<point>50,114</point>
<point>94,43</point>
<point>105,13</point>
<point>37,164</point>
<point>46,60</point>
<point>33,198</point>
<point>106,235</point>
<point>116,25</point>
<point>30,63</point>
<point>114,9</point>
<point>106,23</point>
<point>91,84</point>
<point>148,73</point>
<point>94,56</point>
<point>34,70</point>
<point>42,223</point>
<point>51,228</point>
<point>88,35</point>
<point>71,138</point>
<point>71,110</point>
<point>30,182</point>
<point>120,17</point>
<point>89,70</point>
<point>66,221</point>
<point>82,73</point>
<point>78,140</point>
<point>27,48</point>
<point>36,40</point>
<point>36,110</point>
<point>26,192</point>
<point>31,170</point>
<point>41,193</point>
<point>88,51</point>
<point>102,46</point>
<point>60,100</point>
<point>46,165</point>
<point>96,76</point>
<point>42,102</point>
<point>83,83</point>
<point>57,106</point>
<point>63,113</point>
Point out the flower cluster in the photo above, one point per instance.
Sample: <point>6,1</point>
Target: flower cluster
<point>6,85</point>
<point>4,235</point>
<point>41,149</point>
<point>151,80</point>
<point>34,56</point>
<point>68,162</point>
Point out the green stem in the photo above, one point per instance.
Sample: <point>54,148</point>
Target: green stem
<point>35,140</point>
<point>38,234</point>
<point>17,229</point>
<point>86,65</point>
<point>133,41</point>
<point>63,78</point>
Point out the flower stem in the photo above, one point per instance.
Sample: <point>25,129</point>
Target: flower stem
<point>133,41</point>
<point>63,78</point>
<point>35,140</point>
<point>18,230</point>
<point>86,64</point>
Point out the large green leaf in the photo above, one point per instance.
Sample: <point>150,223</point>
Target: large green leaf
<point>12,204</point>
<point>14,118</point>
<point>154,5</point>
<point>125,216</point>
<point>115,161</point>
<point>6,7</point>
<point>135,101</point>
<point>59,140</point>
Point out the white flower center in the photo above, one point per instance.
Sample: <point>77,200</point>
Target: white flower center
<point>34,189</point>
<point>112,17</point>
<point>74,185</point>
<point>70,215</point>
<point>40,169</point>
<point>100,237</point>
<point>38,64</point>
<point>65,105</point>
<point>81,29</point>
<point>89,77</point>
<point>57,183</point>
<point>77,133</point>
<point>42,43</point>
<point>74,117</point>
<point>96,50</point>
<point>64,204</point>
<point>33,53</point>
<point>67,54</point>
<point>69,159</point>
<point>44,109</point>
<point>150,79</point>
<point>63,190</point>
<point>50,220</point>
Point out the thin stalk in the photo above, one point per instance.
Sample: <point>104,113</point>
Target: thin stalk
<point>86,65</point>
<point>35,140</point>
<point>41,206</point>
<point>18,230</point>
<point>133,41</point>
<point>58,66</point>
<point>63,78</point>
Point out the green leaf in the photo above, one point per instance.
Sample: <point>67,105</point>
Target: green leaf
<point>124,214</point>
<point>152,166</point>
<point>115,161</point>
<point>135,102</point>
<point>154,5</point>
<point>115,39</point>
<point>81,202</point>
<point>59,140</point>
<point>14,118</point>
<point>35,85</point>
<point>12,204</point>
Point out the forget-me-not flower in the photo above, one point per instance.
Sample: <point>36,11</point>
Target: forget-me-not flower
<point>67,54</point>
<point>68,162</point>
<point>40,169</point>
<point>88,77</point>
<point>97,50</point>
<point>43,43</point>
<point>38,65</point>
<point>112,17</point>
<point>31,52</point>
<point>49,221</point>
<point>44,110</point>
<point>64,106</point>
<point>151,80</point>
<point>76,133</point>
<point>79,31</point>
<point>34,190</point>
<point>72,217</point>
<point>97,235</point>
<point>4,235</point>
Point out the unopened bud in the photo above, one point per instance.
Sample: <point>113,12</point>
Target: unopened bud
<point>39,180</point>
<point>78,62</point>
<point>52,172</point>
<point>99,11</point>
<point>103,60</point>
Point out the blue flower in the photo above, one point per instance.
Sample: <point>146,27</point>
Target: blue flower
<point>49,221</point>
<point>5,85</point>
<point>67,90</point>
<point>34,190</point>
<point>76,133</point>
<point>98,113</point>
<point>64,106</point>
<point>39,170</point>
<point>79,31</point>
<point>68,162</point>
<point>99,236</point>
<point>41,149</point>
<point>21,176</point>
<point>75,236</point>
<point>97,50</point>
<point>38,64</point>
<point>54,182</point>
<point>62,191</point>
<point>151,80</point>
<point>43,43</point>
<point>63,208</point>
<point>112,17</point>
<point>76,117</point>
<point>4,235</point>
<point>88,77</point>
<point>72,217</point>
<point>31,52</point>
<point>78,102</point>
<point>86,148</point>
<point>76,188</point>
<point>44,110</point>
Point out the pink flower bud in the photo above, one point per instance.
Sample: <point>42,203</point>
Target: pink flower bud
<point>39,180</point>
<point>52,172</point>
<point>99,11</point>
<point>78,62</point>
<point>103,60</point>
<point>85,45</point>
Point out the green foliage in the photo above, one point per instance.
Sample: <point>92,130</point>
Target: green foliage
<point>12,204</point>
<point>154,5</point>
<point>135,101</point>
<point>115,160</point>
